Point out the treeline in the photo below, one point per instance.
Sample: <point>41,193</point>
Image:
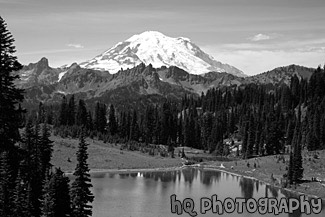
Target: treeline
<point>29,186</point>
<point>267,119</point>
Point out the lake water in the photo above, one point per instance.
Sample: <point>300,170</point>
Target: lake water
<point>148,194</point>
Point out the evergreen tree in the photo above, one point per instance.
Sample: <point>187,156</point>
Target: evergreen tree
<point>112,121</point>
<point>6,187</point>
<point>20,197</point>
<point>34,171</point>
<point>290,168</point>
<point>180,135</point>
<point>63,115</point>
<point>56,202</point>
<point>296,169</point>
<point>149,124</point>
<point>89,119</point>
<point>245,140</point>
<point>100,117</point>
<point>48,202</point>
<point>274,136</point>
<point>46,149</point>
<point>80,188</point>
<point>81,118</point>
<point>71,111</point>
<point>251,138</point>
<point>297,163</point>
<point>134,129</point>
<point>206,128</point>
<point>10,95</point>
<point>165,123</point>
<point>41,113</point>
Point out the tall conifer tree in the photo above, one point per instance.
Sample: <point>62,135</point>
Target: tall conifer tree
<point>10,95</point>
<point>56,202</point>
<point>81,195</point>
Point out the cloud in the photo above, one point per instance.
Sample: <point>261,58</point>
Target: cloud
<point>260,37</point>
<point>255,61</point>
<point>78,46</point>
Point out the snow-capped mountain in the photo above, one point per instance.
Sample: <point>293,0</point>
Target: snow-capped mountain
<point>136,86</point>
<point>155,48</point>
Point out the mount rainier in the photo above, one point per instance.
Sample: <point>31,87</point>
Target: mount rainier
<point>155,48</point>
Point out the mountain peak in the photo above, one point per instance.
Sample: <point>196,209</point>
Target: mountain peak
<point>153,47</point>
<point>146,34</point>
<point>43,63</point>
<point>44,59</point>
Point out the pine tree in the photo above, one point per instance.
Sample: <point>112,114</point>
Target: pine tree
<point>31,169</point>
<point>71,112</point>
<point>245,140</point>
<point>322,132</point>
<point>290,168</point>
<point>112,121</point>
<point>20,197</point>
<point>316,128</point>
<point>274,136</point>
<point>48,202</point>
<point>35,174</point>
<point>206,128</point>
<point>81,195</point>
<point>134,129</point>
<point>46,149</point>
<point>56,202</point>
<point>89,118</point>
<point>63,115</point>
<point>41,113</point>
<point>149,124</point>
<point>180,135</point>
<point>100,117</point>
<point>298,170</point>
<point>10,95</point>
<point>81,118</point>
<point>6,187</point>
<point>251,138</point>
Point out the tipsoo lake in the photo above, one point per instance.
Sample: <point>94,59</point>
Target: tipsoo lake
<point>148,194</point>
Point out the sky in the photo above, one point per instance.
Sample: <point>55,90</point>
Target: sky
<point>252,35</point>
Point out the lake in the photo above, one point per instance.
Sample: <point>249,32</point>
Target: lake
<point>148,194</point>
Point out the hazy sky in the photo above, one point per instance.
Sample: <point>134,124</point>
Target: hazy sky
<point>252,35</point>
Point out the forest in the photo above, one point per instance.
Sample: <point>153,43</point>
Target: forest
<point>266,119</point>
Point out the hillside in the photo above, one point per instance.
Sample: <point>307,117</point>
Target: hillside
<point>140,84</point>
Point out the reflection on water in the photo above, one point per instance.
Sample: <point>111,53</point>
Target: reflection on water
<point>147,194</point>
<point>247,187</point>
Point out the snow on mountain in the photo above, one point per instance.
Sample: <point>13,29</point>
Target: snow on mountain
<point>154,48</point>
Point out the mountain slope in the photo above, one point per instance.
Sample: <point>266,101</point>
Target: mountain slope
<point>281,75</point>
<point>39,73</point>
<point>139,85</point>
<point>159,50</point>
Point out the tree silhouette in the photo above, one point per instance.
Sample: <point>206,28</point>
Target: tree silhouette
<point>10,95</point>
<point>80,188</point>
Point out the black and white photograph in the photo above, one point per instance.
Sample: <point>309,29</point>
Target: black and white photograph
<point>150,108</point>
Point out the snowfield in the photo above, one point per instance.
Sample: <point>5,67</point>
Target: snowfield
<point>155,48</point>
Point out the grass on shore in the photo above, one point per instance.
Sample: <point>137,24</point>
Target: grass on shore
<point>103,156</point>
<point>270,169</point>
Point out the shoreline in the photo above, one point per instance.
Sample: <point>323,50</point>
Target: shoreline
<point>132,170</point>
<point>264,182</point>
<point>206,167</point>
